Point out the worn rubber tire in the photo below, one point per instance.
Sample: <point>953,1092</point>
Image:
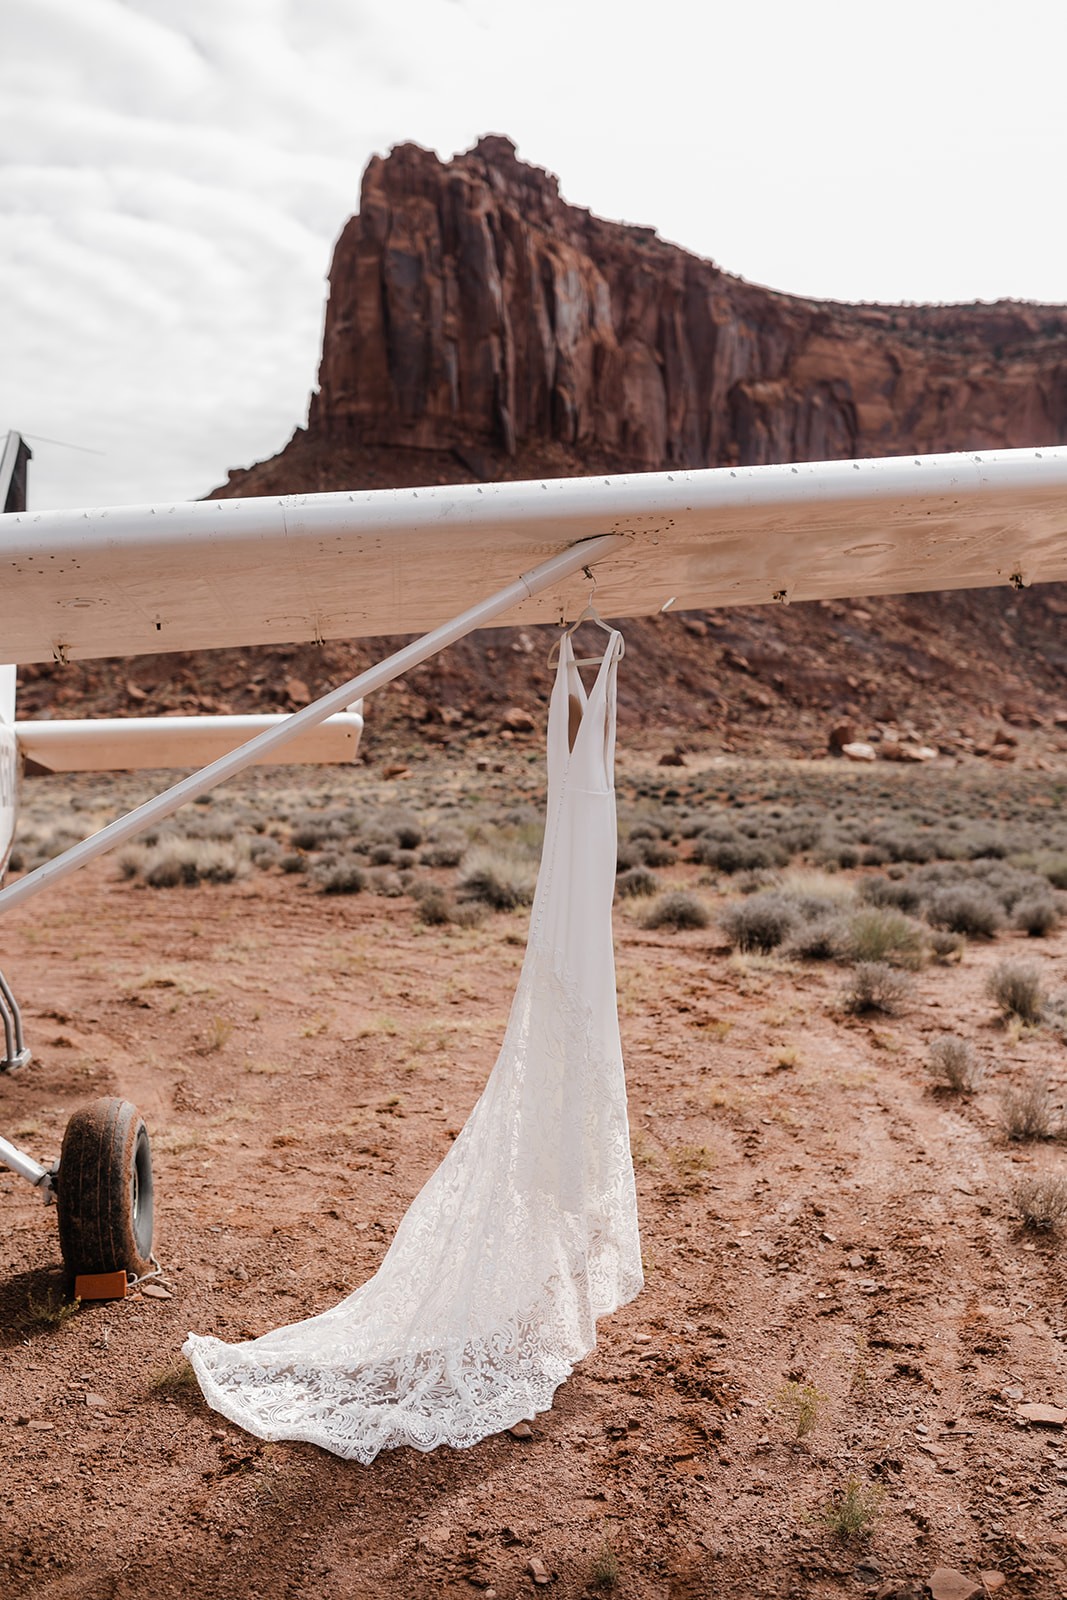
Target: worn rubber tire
<point>104,1190</point>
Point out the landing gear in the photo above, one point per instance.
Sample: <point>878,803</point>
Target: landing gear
<point>104,1190</point>
<point>15,1052</point>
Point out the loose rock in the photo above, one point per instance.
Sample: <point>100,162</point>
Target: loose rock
<point>948,1584</point>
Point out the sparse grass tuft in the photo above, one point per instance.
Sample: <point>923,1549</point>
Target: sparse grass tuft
<point>690,1160</point>
<point>799,1404</point>
<point>1017,989</point>
<point>677,909</point>
<point>1028,1111</point>
<point>604,1572</point>
<point>876,987</point>
<point>851,1512</point>
<point>48,1310</point>
<point>1040,1200</point>
<point>954,1062</point>
<point>216,1037</point>
<point>177,1377</point>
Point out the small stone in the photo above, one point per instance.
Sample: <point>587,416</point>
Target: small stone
<point>1048,1416</point>
<point>155,1291</point>
<point>395,771</point>
<point>41,1427</point>
<point>855,1260</point>
<point>840,734</point>
<point>297,689</point>
<point>948,1584</point>
<point>993,1580</point>
<point>1012,1391</point>
<point>538,1571</point>
<point>858,750</point>
<point>517,720</point>
<point>96,1402</point>
<point>521,1430</point>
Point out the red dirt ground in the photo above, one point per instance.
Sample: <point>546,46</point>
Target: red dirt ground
<point>812,1210</point>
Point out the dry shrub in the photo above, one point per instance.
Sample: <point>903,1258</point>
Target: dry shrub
<point>954,1062</point>
<point>881,934</point>
<point>734,853</point>
<point>677,909</point>
<point>943,946</point>
<point>408,833</point>
<point>1028,1111</point>
<point>825,938</point>
<point>965,908</point>
<point>499,879</point>
<point>1040,1200</point>
<point>1016,988</point>
<point>384,882</point>
<point>341,877</point>
<point>879,891</point>
<point>1036,915</point>
<point>637,882</point>
<point>762,922</point>
<point>434,908</point>
<point>176,861</point>
<point>446,851</point>
<point>874,986</point>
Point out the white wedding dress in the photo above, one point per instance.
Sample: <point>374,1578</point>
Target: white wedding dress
<point>527,1232</point>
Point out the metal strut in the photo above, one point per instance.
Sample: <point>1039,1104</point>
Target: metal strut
<point>15,1052</point>
<point>557,568</point>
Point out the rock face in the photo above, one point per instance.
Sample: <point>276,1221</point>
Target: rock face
<point>469,305</point>
<point>478,327</point>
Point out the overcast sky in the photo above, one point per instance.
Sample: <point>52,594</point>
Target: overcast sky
<point>175,172</point>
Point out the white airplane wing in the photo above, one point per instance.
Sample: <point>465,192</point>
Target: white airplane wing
<point>207,574</point>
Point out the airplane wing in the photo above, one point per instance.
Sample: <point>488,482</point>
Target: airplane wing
<point>208,574</point>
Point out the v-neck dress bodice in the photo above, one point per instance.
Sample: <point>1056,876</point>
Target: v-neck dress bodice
<point>527,1232</point>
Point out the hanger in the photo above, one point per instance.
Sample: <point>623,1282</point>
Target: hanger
<point>590,614</point>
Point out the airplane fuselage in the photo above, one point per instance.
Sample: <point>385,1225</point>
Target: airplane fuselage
<point>9,764</point>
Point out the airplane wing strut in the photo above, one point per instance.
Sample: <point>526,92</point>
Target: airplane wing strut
<point>557,567</point>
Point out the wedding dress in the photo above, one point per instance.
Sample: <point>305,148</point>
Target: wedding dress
<point>527,1232</point>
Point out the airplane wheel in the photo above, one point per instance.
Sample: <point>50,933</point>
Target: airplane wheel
<point>104,1190</point>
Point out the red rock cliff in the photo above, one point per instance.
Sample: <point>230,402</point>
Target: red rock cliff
<point>470,304</point>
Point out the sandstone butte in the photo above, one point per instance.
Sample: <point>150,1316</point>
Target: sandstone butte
<point>470,304</point>
<point>480,327</point>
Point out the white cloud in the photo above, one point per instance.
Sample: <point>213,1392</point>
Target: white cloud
<point>174,176</point>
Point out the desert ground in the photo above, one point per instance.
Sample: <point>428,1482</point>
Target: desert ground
<point>828,1385</point>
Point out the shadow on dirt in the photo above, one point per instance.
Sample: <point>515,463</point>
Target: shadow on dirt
<point>34,1305</point>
